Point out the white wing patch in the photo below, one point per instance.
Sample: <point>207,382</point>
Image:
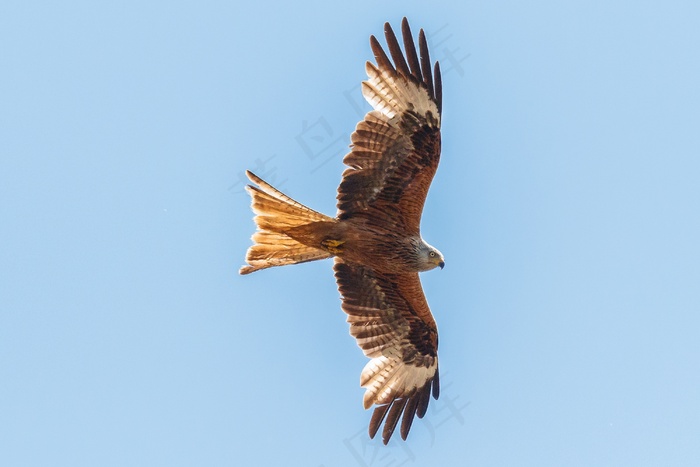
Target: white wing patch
<point>393,95</point>
<point>388,377</point>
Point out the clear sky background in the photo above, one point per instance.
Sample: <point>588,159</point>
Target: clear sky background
<point>566,204</point>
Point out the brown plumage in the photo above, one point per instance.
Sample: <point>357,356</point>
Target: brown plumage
<point>375,237</point>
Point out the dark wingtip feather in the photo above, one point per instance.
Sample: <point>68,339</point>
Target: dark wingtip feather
<point>425,63</point>
<point>395,51</point>
<point>424,400</point>
<point>377,419</point>
<point>382,60</point>
<point>410,48</point>
<point>392,419</point>
<point>409,414</point>
<point>438,87</point>
<point>436,384</point>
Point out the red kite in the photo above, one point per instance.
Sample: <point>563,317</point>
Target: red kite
<point>375,237</point>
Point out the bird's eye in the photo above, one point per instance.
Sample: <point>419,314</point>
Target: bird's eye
<point>432,254</point>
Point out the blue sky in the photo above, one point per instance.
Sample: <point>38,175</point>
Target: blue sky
<point>566,205</point>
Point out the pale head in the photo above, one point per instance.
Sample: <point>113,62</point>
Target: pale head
<point>429,257</point>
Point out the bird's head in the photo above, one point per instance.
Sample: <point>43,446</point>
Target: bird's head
<point>429,257</point>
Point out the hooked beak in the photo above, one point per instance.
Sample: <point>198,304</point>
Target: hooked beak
<point>441,264</point>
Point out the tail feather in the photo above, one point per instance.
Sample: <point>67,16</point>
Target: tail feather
<point>275,214</point>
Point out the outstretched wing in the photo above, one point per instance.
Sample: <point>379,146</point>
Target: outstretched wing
<point>396,148</point>
<point>390,319</point>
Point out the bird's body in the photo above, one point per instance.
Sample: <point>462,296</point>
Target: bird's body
<point>375,236</point>
<point>354,241</point>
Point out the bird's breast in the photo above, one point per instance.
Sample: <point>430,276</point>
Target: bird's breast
<point>382,250</point>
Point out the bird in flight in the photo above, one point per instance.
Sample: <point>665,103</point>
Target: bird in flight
<point>375,237</point>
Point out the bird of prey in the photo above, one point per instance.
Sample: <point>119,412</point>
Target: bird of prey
<point>375,237</point>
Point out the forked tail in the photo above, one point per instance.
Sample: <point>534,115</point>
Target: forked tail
<point>282,226</point>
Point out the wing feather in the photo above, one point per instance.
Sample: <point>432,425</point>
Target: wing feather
<point>395,51</point>
<point>425,63</point>
<point>438,87</point>
<point>392,419</point>
<point>396,148</point>
<point>411,50</point>
<point>408,416</point>
<point>424,400</point>
<point>391,320</point>
<point>380,56</point>
<point>377,419</point>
